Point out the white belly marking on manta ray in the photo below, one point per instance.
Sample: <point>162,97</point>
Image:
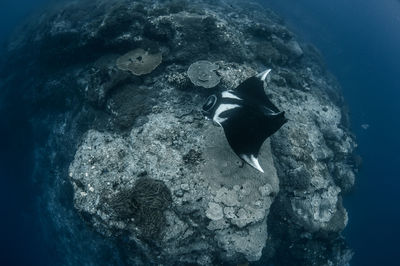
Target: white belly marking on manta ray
<point>247,116</point>
<point>230,95</point>
<point>223,108</point>
<point>253,161</point>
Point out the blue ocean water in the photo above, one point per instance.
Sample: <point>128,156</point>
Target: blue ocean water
<point>360,42</point>
<point>22,241</point>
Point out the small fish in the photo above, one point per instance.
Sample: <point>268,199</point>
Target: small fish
<point>247,116</point>
<point>365,126</point>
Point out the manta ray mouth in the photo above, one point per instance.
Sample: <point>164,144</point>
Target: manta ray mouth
<point>210,103</point>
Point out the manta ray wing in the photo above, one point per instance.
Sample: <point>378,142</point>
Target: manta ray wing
<point>253,89</point>
<point>246,130</point>
<point>247,116</point>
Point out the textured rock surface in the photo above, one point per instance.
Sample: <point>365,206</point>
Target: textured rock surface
<point>218,201</point>
<point>105,132</point>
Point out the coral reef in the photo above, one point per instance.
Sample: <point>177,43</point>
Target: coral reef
<point>202,73</point>
<point>132,157</point>
<point>139,62</point>
<point>145,204</point>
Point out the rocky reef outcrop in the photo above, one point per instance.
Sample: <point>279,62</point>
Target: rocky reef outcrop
<point>132,158</point>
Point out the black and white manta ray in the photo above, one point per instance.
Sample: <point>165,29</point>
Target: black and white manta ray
<point>247,116</point>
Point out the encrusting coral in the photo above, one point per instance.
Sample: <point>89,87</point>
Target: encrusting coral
<point>202,73</point>
<point>139,62</point>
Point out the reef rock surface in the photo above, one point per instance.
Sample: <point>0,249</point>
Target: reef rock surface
<point>132,157</point>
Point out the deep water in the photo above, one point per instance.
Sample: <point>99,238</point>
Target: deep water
<point>22,240</point>
<point>360,42</point>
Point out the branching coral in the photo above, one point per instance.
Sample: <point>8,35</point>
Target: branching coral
<point>146,203</point>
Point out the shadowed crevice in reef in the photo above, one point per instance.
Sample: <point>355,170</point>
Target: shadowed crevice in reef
<point>104,131</point>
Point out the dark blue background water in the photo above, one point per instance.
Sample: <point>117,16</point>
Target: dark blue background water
<point>360,40</point>
<point>22,241</point>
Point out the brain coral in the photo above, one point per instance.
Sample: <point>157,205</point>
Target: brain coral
<point>202,73</point>
<point>139,61</point>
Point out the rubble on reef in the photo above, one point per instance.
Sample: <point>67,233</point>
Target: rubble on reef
<point>142,166</point>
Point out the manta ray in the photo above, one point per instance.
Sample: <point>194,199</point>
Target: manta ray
<point>247,116</point>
